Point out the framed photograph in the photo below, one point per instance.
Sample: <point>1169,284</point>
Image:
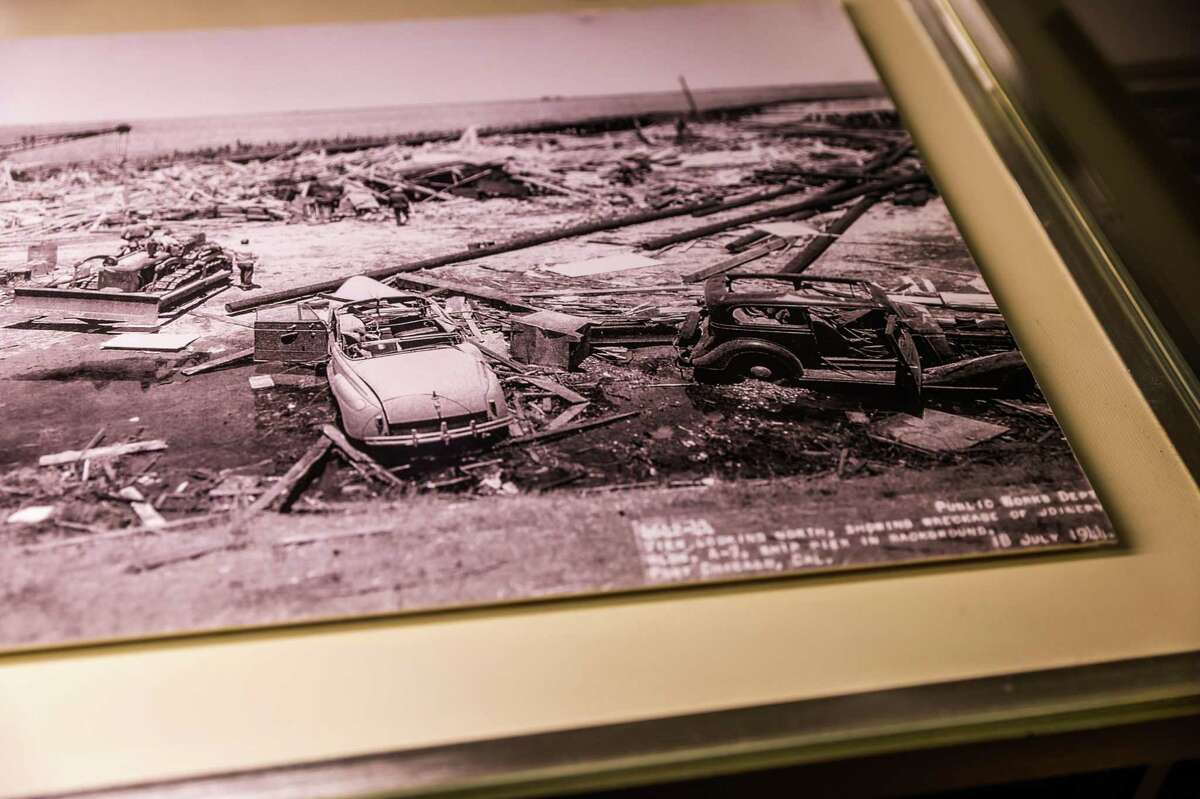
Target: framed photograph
<point>452,379</point>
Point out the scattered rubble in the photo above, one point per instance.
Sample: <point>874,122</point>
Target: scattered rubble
<point>583,344</point>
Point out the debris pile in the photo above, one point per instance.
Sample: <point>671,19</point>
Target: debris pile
<point>309,187</point>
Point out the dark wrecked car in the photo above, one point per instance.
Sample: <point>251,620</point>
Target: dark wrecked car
<point>838,332</point>
<point>401,373</point>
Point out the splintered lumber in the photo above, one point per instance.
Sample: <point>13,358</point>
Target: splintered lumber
<point>518,243</point>
<point>1008,361</point>
<point>466,290</point>
<point>822,242</point>
<point>937,431</point>
<point>111,451</point>
<point>146,513</point>
<point>742,242</point>
<point>217,363</point>
<point>567,416</point>
<point>752,254</point>
<point>357,456</point>
<point>549,435</point>
<point>556,388</point>
<point>498,358</point>
<point>822,201</point>
<point>283,492</point>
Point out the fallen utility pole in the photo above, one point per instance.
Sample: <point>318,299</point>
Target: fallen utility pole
<point>824,200</point>
<point>776,243</point>
<point>549,435</point>
<point>664,287</point>
<point>691,101</point>
<point>478,292</point>
<point>750,199</point>
<point>847,180</point>
<point>519,243</point>
<point>815,248</point>
<point>744,242</point>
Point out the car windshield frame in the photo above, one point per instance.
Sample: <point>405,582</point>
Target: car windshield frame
<point>434,332</point>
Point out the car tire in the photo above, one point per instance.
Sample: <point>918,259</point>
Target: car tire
<point>762,366</point>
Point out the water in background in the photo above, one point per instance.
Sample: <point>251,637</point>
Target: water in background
<point>181,134</point>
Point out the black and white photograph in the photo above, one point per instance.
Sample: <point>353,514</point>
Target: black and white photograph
<point>313,322</point>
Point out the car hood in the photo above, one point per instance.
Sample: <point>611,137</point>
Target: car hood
<point>427,384</point>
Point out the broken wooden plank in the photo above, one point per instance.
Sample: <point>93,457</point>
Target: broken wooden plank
<point>937,431</point>
<point>149,516</point>
<point>824,240</point>
<point>111,451</point>
<point>995,363</point>
<point>284,491</point>
<point>720,267</point>
<point>217,363</point>
<point>157,342</point>
<point>609,263</point>
<point>556,388</point>
<point>1033,408</point>
<point>548,435</point>
<point>360,457</point>
<point>498,358</point>
<point>567,416</point>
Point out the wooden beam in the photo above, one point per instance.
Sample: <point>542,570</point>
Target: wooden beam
<point>548,435</point>
<point>817,247</point>
<point>359,457</point>
<point>217,363</point>
<point>752,254</point>
<point>567,416</point>
<point>284,491</point>
<point>556,388</point>
<point>822,201</point>
<point>111,451</point>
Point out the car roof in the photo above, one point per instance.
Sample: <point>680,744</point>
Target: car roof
<point>805,291</point>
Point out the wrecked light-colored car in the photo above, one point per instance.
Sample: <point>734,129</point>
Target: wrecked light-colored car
<point>402,374</point>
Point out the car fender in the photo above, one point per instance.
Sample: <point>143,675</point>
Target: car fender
<point>359,410</point>
<point>689,331</point>
<point>721,356</point>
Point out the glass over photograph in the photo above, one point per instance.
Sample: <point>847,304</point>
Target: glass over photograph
<point>300,323</point>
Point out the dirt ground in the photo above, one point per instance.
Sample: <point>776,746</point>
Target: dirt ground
<point>557,519</point>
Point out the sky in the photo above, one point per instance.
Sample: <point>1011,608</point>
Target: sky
<point>232,71</point>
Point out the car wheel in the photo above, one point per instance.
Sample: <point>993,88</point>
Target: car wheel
<point>767,368</point>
